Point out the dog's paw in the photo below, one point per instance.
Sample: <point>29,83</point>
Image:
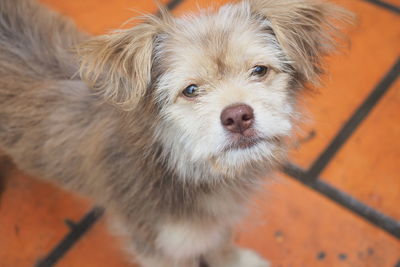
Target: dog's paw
<point>237,258</point>
<point>248,258</point>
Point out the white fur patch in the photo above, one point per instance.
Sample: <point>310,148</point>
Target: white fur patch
<point>182,241</point>
<point>248,258</point>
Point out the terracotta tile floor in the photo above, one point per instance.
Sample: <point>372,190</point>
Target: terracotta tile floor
<point>291,224</point>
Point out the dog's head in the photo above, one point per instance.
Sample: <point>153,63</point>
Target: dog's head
<point>224,83</point>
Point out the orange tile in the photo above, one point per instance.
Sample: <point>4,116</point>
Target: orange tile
<point>100,17</point>
<point>195,5</point>
<point>32,218</point>
<point>368,165</point>
<point>107,16</point>
<point>351,76</point>
<point>291,225</point>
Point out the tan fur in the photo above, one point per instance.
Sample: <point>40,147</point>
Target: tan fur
<point>124,134</point>
<point>113,64</point>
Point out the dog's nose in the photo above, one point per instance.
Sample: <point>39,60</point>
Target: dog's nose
<point>237,118</point>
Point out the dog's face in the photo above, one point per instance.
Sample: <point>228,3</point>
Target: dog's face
<point>224,82</point>
<point>224,89</point>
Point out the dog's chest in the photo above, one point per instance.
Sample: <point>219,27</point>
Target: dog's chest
<point>182,239</point>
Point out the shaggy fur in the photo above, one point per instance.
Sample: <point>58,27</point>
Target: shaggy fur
<point>172,176</point>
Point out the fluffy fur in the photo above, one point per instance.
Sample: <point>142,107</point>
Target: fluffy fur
<point>172,177</point>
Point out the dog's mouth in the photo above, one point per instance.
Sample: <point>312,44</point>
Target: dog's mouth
<point>242,142</point>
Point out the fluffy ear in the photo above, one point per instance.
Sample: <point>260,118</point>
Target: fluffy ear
<point>118,65</point>
<point>306,29</point>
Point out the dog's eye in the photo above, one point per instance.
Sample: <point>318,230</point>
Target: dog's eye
<point>191,91</point>
<point>259,71</point>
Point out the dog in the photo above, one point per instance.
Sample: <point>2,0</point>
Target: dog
<point>171,124</point>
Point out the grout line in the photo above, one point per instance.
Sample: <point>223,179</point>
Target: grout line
<point>173,4</point>
<point>385,5</point>
<point>375,217</point>
<point>77,231</point>
<point>351,125</point>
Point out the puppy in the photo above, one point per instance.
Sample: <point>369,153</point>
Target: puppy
<point>171,123</point>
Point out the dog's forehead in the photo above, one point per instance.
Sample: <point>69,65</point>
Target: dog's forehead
<point>228,40</point>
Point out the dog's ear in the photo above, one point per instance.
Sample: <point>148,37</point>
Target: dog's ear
<point>306,29</point>
<point>118,65</point>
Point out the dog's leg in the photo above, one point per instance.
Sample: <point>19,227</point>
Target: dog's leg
<point>146,251</point>
<point>230,255</point>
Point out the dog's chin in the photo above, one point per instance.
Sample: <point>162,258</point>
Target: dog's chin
<point>246,154</point>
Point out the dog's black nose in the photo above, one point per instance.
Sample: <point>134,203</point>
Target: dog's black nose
<point>237,118</point>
